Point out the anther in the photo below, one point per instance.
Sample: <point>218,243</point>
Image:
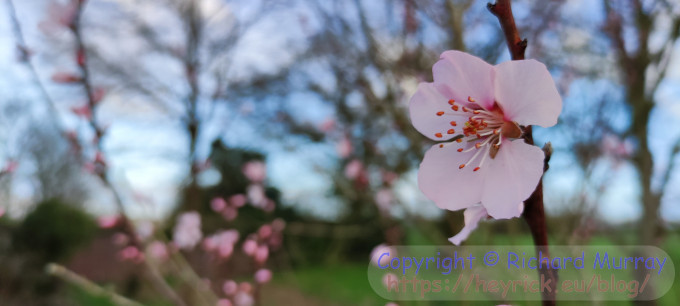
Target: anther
<point>478,145</point>
<point>476,112</point>
<point>441,145</point>
<point>455,107</point>
<point>451,102</point>
<point>459,140</point>
<point>440,113</point>
<point>475,169</point>
<point>438,135</point>
<point>450,131</point>
<point>461,166</point>
<point>471,100</point>
<point>460,150</point>
<point>453,123</point>
<point>465,109</point>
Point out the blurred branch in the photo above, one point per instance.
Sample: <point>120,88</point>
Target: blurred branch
<point>86,285</point>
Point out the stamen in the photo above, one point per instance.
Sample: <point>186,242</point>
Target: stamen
<point>440,114</point>
<point>451,102</point>
<point>471,100</point>
<point>438,135</point>
<point>459,140</point>
<point>451,131</point>
<point>455,108</point>
<point>453,123</point>
<point>460,150</point>
<point>461,166</point>
<point>475,170</point>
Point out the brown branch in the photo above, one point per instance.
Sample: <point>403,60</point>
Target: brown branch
<point>534,213</point>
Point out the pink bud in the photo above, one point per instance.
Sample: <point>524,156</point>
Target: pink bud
<point>261,254</point>
<point>209,244</point>
<point>238,200</point>
<point>230,287</point>
<point>250,247</point>
<point>158,250</point>
<point>230,213</point>
<point>344,148</point>
<point>245,287</point>
<point>218,204</point>
<point>353,169</point>
<point>225,250</point>
<point>255,171</point>
<point>265,231</point>
<point>107,221</point>
<point>263,276</point>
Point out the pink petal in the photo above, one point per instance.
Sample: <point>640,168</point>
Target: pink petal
<point>527,94</point>
<point>263,276</point>
<point>425,104</point>
<point>458,75</point>
<point>511,178</point>
<point>472,217</point>
<point>441,180</point>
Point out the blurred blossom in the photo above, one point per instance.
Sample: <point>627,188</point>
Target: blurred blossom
<point>218,204</point>
<point>187,231</point>
<point>265,231</point>
<point>223,302</point>
<point>327,125</point>
<point>243,299</point>
<point>389,177</point>
<point>472,216</point>
<point>82,111</point>
<point>238,200</point>
<point>344,147</point>
<point>107,221</point>
<point>225,250</point>
<point>384,199</point>
<point>230,287</point>
<point>230,213</point>
<point>256,195</point>
<point>353,169</point>
<point>245,287</point>
<point>255,171</point>
<point>278,224</point>
<point>2,212</point>
<point>157,250</point>
<point>249,247</point>
<point>261,254</point>
<point>379,250</point>
<point>615,147</point>
<point>10,166</point>
<point>120,239</point>
<point>483,106</point>
<point>269,205</point>
<point>130,253</point>
<point>144,229</point>
<point>65,77</point>
<point>263,276</point>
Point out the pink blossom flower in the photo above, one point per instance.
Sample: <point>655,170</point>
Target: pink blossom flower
<point>129,253</point>
<point>353,169</point>
<point>187,232</point>
<point>249,247</point>
<point>256,195</point>
<point>384,199</point>
<point>230,287</point>
<point>245,287</point>
<point>344,147</point>
<point>479,110</point>
<point>82,111</point>
<point>381,249</point>
<point>265,231</point>
<point>472,216</point>
<point>243,299</point>
<point>278,224</point>
<point>108,221</point>
<point>263,276</point>
<point>223,302</point>
<point>255,171</point>
<point>230,213</point>
<point>238,200</point>
<point>261,254</point>
<point>157,250</point>
<point>59,14</point>
<point>218,204</point>
<point>10,167</point>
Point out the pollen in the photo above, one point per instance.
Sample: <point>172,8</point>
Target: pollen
<point>451,131</point>
<point>440,114</point>
<point>438,135</point>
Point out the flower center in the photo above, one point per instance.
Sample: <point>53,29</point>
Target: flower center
<point>485,128</point>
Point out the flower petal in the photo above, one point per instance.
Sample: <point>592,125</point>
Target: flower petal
<point>458,75</point>
<point>424,106</point>
<point>441,180</point>
<point>511,178</point>
<point>527,94</point>
<point>472,217</point>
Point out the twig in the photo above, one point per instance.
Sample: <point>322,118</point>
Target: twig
<point>534,213</point>
<point>90,287</point>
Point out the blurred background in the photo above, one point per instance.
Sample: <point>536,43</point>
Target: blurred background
<point>256,152</point>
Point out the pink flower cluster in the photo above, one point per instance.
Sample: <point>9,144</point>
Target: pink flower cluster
<point>228,208</point>
<point>221,243</point>
<point>187,233</point>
